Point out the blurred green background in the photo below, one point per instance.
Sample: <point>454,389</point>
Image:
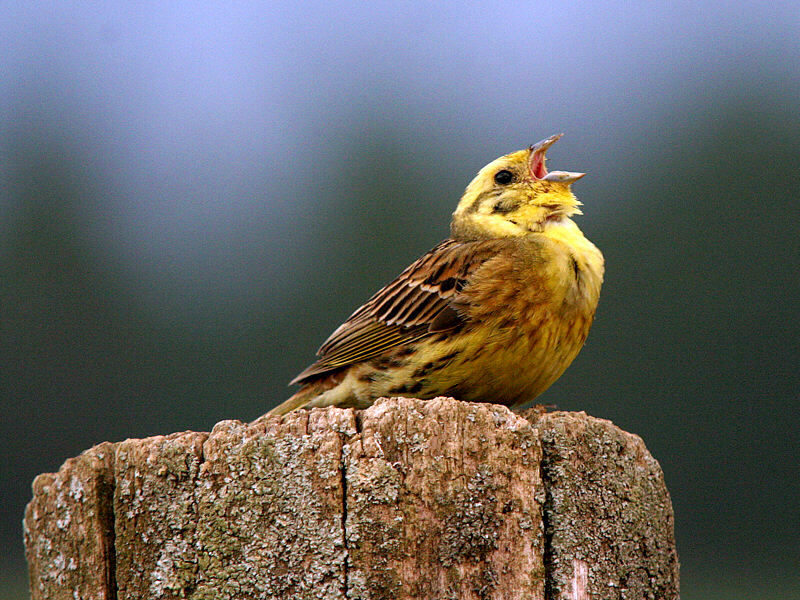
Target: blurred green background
<point>192,197</point>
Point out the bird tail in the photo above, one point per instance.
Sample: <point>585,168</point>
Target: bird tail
<point>298,400</point>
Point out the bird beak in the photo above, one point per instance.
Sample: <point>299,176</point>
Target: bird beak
<point>562,176</point>
<point>538,150</point>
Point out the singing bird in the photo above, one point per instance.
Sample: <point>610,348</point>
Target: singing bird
<point>495,313</point>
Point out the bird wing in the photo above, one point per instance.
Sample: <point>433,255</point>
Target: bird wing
<point>421,301</point>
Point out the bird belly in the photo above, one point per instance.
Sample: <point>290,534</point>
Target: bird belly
<point>501,362</point>
<point>510,364</point>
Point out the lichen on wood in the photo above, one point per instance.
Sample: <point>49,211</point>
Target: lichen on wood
<point>406,499</point>
<point>69,529</point>
<point>608,512</point>
<point>442,502</point>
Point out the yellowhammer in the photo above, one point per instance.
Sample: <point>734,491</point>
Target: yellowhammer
<point>495,313</point>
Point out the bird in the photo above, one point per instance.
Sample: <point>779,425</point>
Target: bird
<point>495,313</point>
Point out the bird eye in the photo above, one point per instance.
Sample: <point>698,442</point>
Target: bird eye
<point>503,177</point>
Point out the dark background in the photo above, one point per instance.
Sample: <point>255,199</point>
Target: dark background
<point>192,198</point>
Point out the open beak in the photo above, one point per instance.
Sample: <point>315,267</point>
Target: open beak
<point>537,163</point>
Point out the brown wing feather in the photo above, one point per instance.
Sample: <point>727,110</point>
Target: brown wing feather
<point>420,301</point>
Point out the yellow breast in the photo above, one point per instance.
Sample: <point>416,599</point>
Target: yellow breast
<point>530,310</point>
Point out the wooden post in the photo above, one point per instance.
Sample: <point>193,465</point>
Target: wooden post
<point>435,499</point>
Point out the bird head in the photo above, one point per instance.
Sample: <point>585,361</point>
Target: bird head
<point>515,195</point>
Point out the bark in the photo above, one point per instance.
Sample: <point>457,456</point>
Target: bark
<point>407,499</point>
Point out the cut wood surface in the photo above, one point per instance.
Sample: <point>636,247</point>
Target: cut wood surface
<point>435,499</point>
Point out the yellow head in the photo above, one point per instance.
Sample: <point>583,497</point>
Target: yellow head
<point>515,195</point>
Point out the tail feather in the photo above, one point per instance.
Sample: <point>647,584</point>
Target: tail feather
<point>298,400</point>
<point>314,393</point>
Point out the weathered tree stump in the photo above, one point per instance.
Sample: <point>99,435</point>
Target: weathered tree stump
<point>407,499</point>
